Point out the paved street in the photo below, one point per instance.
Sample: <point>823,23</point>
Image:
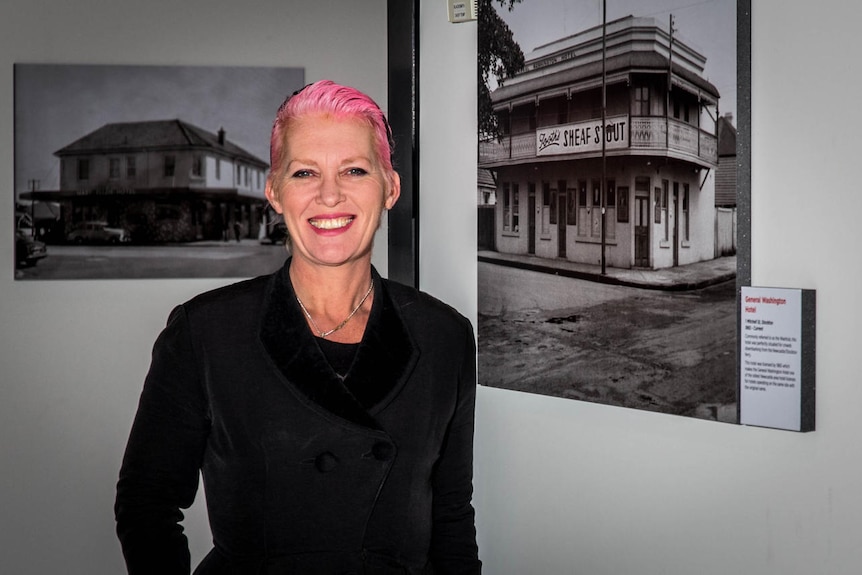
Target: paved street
<point>659,350</point>
<point>198,260</point>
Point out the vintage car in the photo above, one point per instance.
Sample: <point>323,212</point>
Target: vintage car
<point>98,232</point>
<point>28,251</point>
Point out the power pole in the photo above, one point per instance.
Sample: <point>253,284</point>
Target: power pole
<point>603,185</point>
<point>34,185</point>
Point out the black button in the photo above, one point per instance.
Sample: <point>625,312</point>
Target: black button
<point>383,451</point>
<point>325,462</point>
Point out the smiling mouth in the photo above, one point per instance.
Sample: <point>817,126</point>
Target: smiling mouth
<point>331,223</point>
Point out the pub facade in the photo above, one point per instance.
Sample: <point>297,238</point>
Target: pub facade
<point>162,181</point>
<point>637,189</point>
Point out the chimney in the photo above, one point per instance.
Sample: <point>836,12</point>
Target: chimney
<point>221,136</point>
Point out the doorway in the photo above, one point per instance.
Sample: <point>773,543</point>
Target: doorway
<point>642,226</point>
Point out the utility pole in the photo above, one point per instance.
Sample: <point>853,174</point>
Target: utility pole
<point>34,185</point>
<point>604,129</point>
<point>667,111</point>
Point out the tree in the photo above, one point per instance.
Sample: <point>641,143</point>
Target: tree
<point>500,55</point>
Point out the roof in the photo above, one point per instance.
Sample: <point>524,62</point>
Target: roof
<point>156,135</point>
<point>726,137</point>
<point>485,179</point>
<point>635,61</point>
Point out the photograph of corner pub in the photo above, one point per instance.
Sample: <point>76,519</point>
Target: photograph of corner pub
<point>118,177</point>
<point>607,209</point>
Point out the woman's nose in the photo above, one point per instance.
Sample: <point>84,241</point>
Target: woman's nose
<point>330,191</point>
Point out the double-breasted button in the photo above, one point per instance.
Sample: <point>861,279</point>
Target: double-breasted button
<point>325,462</point>
<point>383,451</point>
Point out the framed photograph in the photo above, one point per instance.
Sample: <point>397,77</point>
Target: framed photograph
<point>609,225</point>
<point>145,171</point>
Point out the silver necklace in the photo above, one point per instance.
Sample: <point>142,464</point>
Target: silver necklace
<point>324,334</point>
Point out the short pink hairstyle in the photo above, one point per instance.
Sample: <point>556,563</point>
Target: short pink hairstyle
<point>341,102</point>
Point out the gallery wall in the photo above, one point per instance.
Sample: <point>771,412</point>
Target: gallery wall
<point>73,353</point>
<point>562,487</point>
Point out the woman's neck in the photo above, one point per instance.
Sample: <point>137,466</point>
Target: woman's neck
<point>331,295</point>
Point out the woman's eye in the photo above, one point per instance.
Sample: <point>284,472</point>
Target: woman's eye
<point>356,172</point>
<point>301,174</point>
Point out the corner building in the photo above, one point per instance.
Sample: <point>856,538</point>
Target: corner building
<point>660,151</point>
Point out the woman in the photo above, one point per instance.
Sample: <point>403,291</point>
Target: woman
<point>329,411</point>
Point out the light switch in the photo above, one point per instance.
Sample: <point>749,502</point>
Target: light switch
<point>462,10</point>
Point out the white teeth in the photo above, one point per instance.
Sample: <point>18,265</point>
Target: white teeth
<point>330,223</point>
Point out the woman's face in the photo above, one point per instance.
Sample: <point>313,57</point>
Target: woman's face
<point>332,191</point>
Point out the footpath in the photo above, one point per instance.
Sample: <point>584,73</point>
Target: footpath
<point>681,278</point>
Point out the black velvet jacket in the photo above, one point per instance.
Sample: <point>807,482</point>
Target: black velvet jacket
<point>299,477</point>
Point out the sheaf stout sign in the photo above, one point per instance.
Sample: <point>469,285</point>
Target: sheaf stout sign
<point>583,137</point>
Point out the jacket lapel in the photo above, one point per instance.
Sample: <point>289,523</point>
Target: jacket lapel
<point>383,361</point>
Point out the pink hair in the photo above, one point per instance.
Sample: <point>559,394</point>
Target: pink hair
<point>327,97</point>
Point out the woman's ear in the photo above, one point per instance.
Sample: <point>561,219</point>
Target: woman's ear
<point>394,191</point>
<point>272,196</point>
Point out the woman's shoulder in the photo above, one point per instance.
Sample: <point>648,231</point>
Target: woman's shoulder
<point>419,306</point>
<point>245,294</point>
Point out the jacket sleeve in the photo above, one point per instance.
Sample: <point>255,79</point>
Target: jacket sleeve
<point>161,466</point>
<point>453,541</point>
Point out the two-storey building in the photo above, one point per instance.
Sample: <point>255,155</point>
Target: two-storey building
<point>162,181</point>
<point>658,157</point>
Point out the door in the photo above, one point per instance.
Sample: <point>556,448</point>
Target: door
<point>562,217</point>
<point>531,217</point>
<point>675,224</point>
<point>642,226</point>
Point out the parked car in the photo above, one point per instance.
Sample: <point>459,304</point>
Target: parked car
<point>28,251</point>
<point>275,234</point>
<point>98,232</point>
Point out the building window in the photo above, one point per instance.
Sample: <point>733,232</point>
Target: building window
<point>218,168</point>
<point>114,168</point>
<point>516,201</point>
<point>623,207</point>
<point>84,169</point>
<point>197,166</point>
<point>658,205</point>
<point>548,213</point>
<point>170,166</point>
<point>641,103</point>
<point>507,208</point>
<point>131,166</point>
<point>572,207</point>
<point>583,208</point>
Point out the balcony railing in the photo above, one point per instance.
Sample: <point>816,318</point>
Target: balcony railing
<point>664,136</point>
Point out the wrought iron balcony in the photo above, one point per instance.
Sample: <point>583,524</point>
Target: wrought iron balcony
<point>643,135</point>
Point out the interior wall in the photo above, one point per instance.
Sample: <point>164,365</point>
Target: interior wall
<point>567,487</point>
<point>74,353</point>
<point>561,486</point>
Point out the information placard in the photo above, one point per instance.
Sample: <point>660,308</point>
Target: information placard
<point>777,358</point>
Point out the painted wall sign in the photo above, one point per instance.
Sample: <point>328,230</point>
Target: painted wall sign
<point>583,137</point>
<point>777,358</point>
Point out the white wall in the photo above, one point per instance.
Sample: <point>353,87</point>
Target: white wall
<point>564,487</point>
<point>73,353</point>
<point>561,486</point>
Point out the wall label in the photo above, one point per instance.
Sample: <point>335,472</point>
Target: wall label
<point>776,358</point>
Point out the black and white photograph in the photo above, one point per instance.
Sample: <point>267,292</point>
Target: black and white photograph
<point>607,202</point>
<point>132,172</point>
